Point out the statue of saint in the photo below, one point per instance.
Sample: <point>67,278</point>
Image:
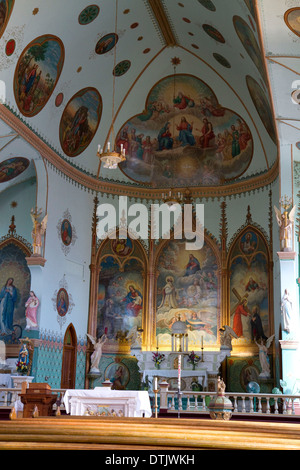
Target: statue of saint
<point>286,311</point>
<point>286,222</point>
<point>96,356</point>
<point>39,229</point>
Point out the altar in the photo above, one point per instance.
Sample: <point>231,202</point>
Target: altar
<point>102,401</point>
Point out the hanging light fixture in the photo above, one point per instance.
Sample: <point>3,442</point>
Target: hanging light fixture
<point>111,157</point>
<point>172,198</point>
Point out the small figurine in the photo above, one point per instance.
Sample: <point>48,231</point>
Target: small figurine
<point>31,305</point>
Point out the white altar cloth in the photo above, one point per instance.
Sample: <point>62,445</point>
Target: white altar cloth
<point>123,402</point>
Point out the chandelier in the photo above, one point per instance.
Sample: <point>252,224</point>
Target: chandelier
<point>111,157</point>
<point>172,198</point>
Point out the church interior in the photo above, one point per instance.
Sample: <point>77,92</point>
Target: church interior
<point>149,236</point>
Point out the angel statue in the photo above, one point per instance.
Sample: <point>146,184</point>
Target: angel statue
<point>285,222</point>
<point>226,335</point>
<point>263,356</point>
<point>135,336</point>
<point>39,229</point>
<point>96,356</point>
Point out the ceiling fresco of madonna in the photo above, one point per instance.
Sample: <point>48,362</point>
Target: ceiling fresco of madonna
<point>183,86</point>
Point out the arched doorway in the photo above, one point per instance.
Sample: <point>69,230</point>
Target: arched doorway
<point>68,369</point>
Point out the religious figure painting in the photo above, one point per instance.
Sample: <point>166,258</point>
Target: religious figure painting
<point>62,302</point>
<point>12,167</point>
<point>80,121</point>
<point>262,105</point>
<point>106,43</point>
<point>118,374</point>
<point>249,289</point>
<point>37,72</point>
<point>6,7</point>
<point>250,43</point>
<point>120,299</point>
<point>122,246</point>
<point>14,292</point>
<point>66,232</point>
<point>292,19</point>
<point>187,288</point>
<point>185,135</point>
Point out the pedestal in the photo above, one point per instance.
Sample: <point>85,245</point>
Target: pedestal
<point>290,340</point>
<point>38,395</point>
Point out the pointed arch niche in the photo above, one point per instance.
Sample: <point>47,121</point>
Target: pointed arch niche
<point>250,277</point>
<point>68,368</point>
<point>121,292</point>
<point>187,285</point>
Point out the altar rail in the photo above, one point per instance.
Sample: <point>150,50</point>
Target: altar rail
<point>243,403</point>
<point>196,403</point>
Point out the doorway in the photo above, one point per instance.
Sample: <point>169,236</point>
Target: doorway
<point>68,370</point>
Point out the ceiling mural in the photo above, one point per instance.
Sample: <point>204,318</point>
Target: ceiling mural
<point>262,104</point>
<point>80,121</point>
<point>6,7</point>
<point>12,167</point>
<point>185,135</point>
<point>249,42</point>
<point>37,73</point>
<point>292,19</point>
<point>89,14</point>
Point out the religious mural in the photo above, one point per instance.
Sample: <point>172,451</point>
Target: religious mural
<point>80,121</point>
<point>12,167</point>
<point>6,7</point>
<point>37,72</point>
<point>249,288</point>
<point>292,19</point>
<point>14,292</point>
<point>250,43</point>
<point>262,105</point>
<point>187,288</point>
<point>120,292</point>
<point>185,135</point>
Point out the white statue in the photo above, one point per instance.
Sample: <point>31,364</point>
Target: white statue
<point>135,336</point>
<point>96,356</point>
<point>286,311</point>
<point>263,356</point>
<point>226,335</point>
<point>39,229</point>
<point>286,222</point>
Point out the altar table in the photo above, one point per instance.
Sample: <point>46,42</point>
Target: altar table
<point>102,401</point>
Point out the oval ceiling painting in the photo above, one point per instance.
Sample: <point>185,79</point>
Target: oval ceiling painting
<point>184,137</point>
<point>80,121</point>
<point>12,167</point>
<point>6,7</point>
<point>262,105</point>
<point>37,73</point>
<point>249,42</point>
<point>292,19</point>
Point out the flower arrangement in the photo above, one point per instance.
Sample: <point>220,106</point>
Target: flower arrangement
<point>193,359</point>
<point>22,368</point>
<point>158,358</point>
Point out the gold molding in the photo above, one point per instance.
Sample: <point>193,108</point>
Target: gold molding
<point>163,22</point>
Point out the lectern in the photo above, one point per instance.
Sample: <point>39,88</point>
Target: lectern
<point>38,395</point>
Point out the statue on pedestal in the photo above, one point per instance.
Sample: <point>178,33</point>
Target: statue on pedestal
<point>285,222</point>
<point>226,335</point>
<point>96,356</point>
<point>39,229</point>
<point>263,356</point>
<point>286,311</point>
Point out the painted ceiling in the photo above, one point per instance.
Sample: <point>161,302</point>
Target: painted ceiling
<point>185,84</point>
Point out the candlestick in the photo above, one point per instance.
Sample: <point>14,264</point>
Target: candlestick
<point>179,372</point>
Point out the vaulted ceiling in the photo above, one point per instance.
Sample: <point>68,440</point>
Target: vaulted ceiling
<point>141,64</point>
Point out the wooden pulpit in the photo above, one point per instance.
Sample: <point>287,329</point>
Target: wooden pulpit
<point>38,395</point>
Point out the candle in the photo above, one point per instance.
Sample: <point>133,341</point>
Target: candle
<point>179,372</point>
<point>108,146</point>
<point>155,383</point>
<point>98,148</point>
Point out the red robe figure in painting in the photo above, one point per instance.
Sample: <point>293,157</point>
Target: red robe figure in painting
<point>237,319</point>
